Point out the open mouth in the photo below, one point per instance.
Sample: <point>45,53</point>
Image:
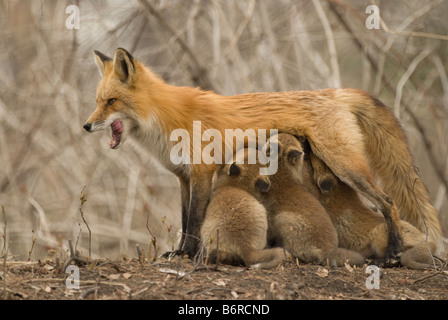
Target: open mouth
<point>117,129</point>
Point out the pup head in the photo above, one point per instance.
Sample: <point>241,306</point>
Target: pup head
<point>242,175</point>
<point>290,154</point>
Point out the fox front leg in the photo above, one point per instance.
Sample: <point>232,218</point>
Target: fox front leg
<point>200,187</point>
<point>185,203</point>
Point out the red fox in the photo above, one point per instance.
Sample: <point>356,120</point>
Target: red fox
<point>355,135</point>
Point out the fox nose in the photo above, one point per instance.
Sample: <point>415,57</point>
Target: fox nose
<point>87,126</point>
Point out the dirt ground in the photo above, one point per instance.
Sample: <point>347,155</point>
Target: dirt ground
<point>181,279</point>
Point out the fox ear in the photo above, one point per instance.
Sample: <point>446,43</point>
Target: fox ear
<point>294,156</point>
<point>124,66</point>
<point>100,60</point>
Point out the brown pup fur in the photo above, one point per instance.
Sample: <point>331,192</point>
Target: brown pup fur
<point>359,228</point>
<point>297,221</point>
<point>235,228</point>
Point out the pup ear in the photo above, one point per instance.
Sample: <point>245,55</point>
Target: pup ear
<point>294,156</point>
<point>101,60</point>
<point>325,186</point>
<point>124,66</point>
<point>234,170</point>
<point>263,185</point>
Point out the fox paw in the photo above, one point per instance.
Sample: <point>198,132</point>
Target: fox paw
<point>171,254</point>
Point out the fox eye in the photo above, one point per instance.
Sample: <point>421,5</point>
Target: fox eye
<point>110,102</point>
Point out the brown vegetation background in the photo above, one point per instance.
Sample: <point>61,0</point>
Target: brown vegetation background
<point>47,90</point>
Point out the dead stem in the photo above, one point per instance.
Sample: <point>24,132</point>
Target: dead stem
<point>83,200</point>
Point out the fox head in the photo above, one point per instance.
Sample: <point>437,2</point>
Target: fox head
<point>117,95</point>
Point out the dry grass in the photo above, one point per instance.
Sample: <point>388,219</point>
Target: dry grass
<point>47,91</point>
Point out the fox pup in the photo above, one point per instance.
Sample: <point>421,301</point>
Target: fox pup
<point>359,228</point>
<point>240,222</point>
<point>297,221</point>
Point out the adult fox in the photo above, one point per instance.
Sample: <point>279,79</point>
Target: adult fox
<point>355,135</point>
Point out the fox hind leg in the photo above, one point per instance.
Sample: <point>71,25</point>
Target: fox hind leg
<point>350,165</point>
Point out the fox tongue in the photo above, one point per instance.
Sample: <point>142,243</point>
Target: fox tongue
<point>117,129</point>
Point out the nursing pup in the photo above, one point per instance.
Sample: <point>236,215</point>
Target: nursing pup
<point>235,226</point>
<point>296,219</point>
<point>359,228</point>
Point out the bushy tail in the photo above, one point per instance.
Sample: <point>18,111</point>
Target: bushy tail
<point>392,164</point>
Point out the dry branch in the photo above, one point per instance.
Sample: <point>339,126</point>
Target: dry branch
<point>198,73</point>
<point>83,200</point>
<point>437,167</point>
<point>4,252</point>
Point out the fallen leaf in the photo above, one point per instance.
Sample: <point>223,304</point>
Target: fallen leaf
<point>220,282</point>
<point>127,275</point>
<point>348,267</point>
<point>114,276</point>
<point>48,267</point>
<point>322,272</point>
<point>172,271</point>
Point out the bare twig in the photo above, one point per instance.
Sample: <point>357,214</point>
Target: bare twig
<point>153,241</point>
<point>431,274</point>
<point>140,254</point>
<point>4,231</point>
<point>77,238</point>
<point>439,169</point>
<point>83,200</point>
<point>331,44</point>
<point>74,256</point>
<point>422,11</point>
<point>405,77</point>
<point>5,253</point>
<point>33,241</point>
<point>198,73</point>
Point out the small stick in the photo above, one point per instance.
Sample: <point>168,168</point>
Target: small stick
<point>153,240</point>
<point>70,247</point>
<point>430,275</point>
<point>5,253</point>
<point>33,241</point>
<point>73,257</point>
<point>141,256</point>
<point>83,199</point>
<point>79,234</point>
<point>4,230</point>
